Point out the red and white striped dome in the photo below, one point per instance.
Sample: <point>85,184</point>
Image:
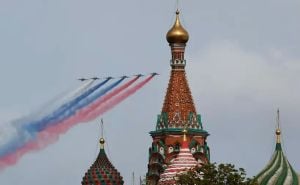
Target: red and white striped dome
<point>183,162</point>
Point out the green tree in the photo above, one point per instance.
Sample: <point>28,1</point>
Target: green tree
<point>212,174</point>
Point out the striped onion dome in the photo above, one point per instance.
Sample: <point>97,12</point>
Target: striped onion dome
<point>278,171</point>
<point>102,172</point>
<point>183,162</point>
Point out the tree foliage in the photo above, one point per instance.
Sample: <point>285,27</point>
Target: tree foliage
<point>212,174</point>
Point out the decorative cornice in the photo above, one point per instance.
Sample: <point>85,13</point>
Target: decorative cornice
<point>178,131</point>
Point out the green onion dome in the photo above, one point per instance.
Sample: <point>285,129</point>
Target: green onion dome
<point>102,172</point>
<point>278,171</point>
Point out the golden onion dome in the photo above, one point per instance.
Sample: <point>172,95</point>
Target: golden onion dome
<point>177,34</point>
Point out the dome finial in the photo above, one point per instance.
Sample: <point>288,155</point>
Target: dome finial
<point>278,131</point>
<point>102,141</point>
<point>185,142</point>
<point>184,133</point>
<point>177,34</point>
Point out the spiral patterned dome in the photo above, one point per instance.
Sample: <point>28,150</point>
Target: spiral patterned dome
<point>278,171</point>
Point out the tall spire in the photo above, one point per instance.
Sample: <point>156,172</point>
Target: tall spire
<point>179,105</point>
<point>172,150</point>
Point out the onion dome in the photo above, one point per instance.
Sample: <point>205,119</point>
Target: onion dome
<point>278,171</point>
<point>182,163</point>
<point>177,34</point>
<point>102,172</point>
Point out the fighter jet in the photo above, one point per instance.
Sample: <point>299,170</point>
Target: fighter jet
<point>108,78</point>
<point>153,74</point>
<point>139,75</point>
<point>95,78</point>
<point>82,79</point>
<point>124,76</point>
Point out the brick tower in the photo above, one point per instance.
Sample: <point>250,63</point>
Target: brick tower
<point>178,114</point>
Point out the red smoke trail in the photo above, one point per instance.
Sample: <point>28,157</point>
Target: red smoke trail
<point>51,134</point>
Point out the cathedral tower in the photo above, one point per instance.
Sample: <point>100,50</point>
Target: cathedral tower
<point>178,113</point>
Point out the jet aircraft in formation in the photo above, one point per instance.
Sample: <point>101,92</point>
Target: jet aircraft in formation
<point>82,79</point>
<point>139,75</point>
<point>153,74</point>
<point>95,78</point>
<point>124,76</point>
<point>110,77</point>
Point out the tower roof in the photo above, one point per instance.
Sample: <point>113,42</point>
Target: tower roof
<point>102,172</point>
<point>183,162</point>
<point>178,102</point>
<point>177,34</point>
<point>278,170</point>
<point>178,108</point>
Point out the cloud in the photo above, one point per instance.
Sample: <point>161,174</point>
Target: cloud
<point>238,91</point>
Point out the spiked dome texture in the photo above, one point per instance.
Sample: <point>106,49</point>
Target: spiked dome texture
<point>178,100</point>
<point>278,171</point>
<point>102,172</point>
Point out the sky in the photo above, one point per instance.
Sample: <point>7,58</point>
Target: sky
<point>243,63</point>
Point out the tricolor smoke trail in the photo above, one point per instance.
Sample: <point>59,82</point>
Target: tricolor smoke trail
<point>82,112</point>
<point>57,115</point>
<point>61,99</point>
<point>25,132</point>
<point>114,101</point>
<point>54,104</point>
<point>14,135</point>
<point>73,107</point>
<point>90,114</point>
<point>108,96</point>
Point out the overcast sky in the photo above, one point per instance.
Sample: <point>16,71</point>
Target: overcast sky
<point>243,62</point>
